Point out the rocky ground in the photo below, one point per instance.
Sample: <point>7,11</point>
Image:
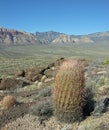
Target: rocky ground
<point>34,110</point>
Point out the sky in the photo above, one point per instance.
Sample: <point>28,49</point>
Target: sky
<point>67,16</point>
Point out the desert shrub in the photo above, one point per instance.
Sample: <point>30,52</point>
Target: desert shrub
<point>97,76</point>
<point>8,101</point>
<point>100,107</point>
<point>45,92</point>
<point>44,105</point>
<point>69,91</point>
<point>43,109</point>
<point>106,62</point>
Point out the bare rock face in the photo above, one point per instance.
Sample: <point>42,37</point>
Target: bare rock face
<point>8,37</point>
<point>72,39</point>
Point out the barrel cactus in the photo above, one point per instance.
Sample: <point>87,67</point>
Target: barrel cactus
<point>69,91</point>
<point>8,102</point>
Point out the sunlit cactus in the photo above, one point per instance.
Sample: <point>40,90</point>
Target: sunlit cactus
<point>69,91</point>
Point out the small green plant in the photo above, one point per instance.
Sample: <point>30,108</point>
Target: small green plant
<point>106,62</point>
<point>69,91</point>
<point>8,102</point>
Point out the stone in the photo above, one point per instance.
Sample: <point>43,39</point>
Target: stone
<point>36,82</point>
<point>43,78</point>
<point>101,72</point>
<point>20,73</point>
<point>49,79</point>
<point>103,89</point>
<point>34,74</point>
<point>37,77</point>
<point>59,61</point>
<point>12,83</point>
<point>50,73</point>
<point>39,84</point>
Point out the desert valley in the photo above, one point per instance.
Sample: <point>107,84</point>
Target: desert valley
<point>29,67</point>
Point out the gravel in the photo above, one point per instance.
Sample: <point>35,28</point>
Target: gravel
<point>30,122</point>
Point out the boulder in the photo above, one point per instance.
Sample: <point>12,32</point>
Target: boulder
<point>12,83</point>
<point>49,79</point>
<point>34,74</point>
<point>44,77</point>
<point>101,72</point>
<point>50,73</point>
<point>59,61</point>
<point>37,77</point>
<point>39,85</point>
<point>51,65</point>
<point>20,73</point>
<point>103,90</point>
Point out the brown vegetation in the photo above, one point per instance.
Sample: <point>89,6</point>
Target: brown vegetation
<point>8,101</point>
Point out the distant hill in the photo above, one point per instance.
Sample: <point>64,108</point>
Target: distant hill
<point>14,37</point>
<point>66,39</point>
<point>100,36</point>
<point>50,35</point>
<point>9,37</point>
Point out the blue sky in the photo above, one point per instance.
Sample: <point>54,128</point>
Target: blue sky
<point>67,16</point>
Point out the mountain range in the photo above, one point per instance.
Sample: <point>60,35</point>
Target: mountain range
<point>15,37</point>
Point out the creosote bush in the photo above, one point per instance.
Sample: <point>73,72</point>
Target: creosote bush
<point>8,101</point>
<point>69,91</point>
<point>43,109</point>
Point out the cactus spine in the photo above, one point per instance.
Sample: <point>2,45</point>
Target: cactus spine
<point>69,91</point>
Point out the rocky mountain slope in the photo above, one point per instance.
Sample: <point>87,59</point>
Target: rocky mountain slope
<point>101,36</point>
<point>50,35</point>
<point>10,36</point>
<point>72,39</point>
